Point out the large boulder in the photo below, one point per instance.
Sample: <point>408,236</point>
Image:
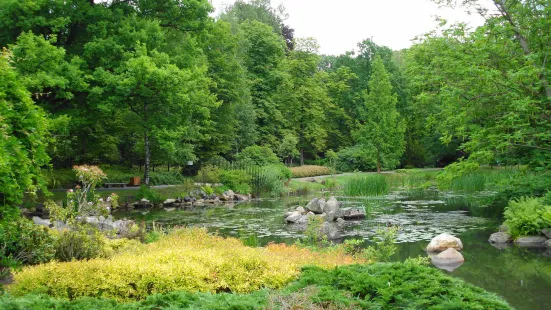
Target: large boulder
<point>548,244</point>
<point>352,214</point>
<point>229,195</point>
<point>42,222</point>
<point>531,242</point>
<point>500,237</point>
<point>331,231</point>
<point>546,232</point>
<point>293,217</point>
<point>332,205</point>
<point>443,242</point>
<point>449,259</point>
<point>316,205</point>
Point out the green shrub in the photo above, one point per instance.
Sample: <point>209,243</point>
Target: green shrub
<point>234,178</point>
<point>244,189</point>
<point>257,156</point>
<point>356,159</point>
<point>368,185</point>
<point>23,242</point>
<point>78,244</point>
<point>309,171</point>
<point>527,216</point>
<point>208,174</point>
<point>166,178</point>
<point>384,247</point>
<point>150,194</point>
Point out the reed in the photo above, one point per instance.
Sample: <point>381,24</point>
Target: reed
<point>368,185</point>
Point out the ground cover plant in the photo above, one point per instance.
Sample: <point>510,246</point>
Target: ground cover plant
<point>527,216</point>
<point>408,284</point>
<point>185,260</point>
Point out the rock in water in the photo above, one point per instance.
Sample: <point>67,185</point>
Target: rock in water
<point>39,221</point>
<point>332,205</point>
<point>352,214</point>
<point>294,217</point>
<point>548,244</point>
<point>500,237</point>
<point>240,197</point>
<point>316,205</point>
<point>331,231</point>
<point>449,260</point>
<point>531,242</point>
<point>547,232</point>
<point>443,242</point>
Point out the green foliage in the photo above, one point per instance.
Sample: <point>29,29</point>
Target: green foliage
<point>383,129</point>
<point>242,188</point>
<point>368,185</point>
<point>309,171</point>
<point>23,242</point>
<point>527,216</point>
<point>234,178</point>
<point>257,156</point>
<point>384,248</point>
<point>209,174</point>
<point>394,285</point>
<point>356,158</point>
<point>148,193</point>
<point>78,244</point>
<point>313,235</point>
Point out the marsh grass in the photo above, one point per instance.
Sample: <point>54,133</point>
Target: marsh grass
<point>368,185</point>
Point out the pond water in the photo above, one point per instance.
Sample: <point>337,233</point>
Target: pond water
<point>521,276</point>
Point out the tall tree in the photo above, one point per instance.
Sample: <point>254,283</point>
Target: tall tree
<point>382,128</point>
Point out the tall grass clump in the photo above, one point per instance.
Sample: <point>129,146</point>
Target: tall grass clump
<point>369,185</point>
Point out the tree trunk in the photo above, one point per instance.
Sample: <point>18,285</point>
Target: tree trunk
<point>168,167</point>
<point>378,161</point>
<point>302,157</point>
<point>147,159</point>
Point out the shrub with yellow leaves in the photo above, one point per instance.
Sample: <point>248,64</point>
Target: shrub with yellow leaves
<point>186,260</point>
<point>309,171</point>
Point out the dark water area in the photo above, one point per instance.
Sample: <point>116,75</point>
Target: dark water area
<point>521,276</point>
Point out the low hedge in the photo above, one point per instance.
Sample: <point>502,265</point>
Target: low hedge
<point>187,260</point>
<point>406,285</point>
<point>309,171</point>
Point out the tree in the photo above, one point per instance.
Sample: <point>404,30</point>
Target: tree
<point>23,137</point>
<point>288,148</point>
<point>382,128</point>
<point>171,104</point>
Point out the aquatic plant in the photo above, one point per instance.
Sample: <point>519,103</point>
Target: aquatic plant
<point>368,185</point>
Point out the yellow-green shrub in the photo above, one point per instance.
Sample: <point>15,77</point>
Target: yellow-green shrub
<point>187,260</point>
<point>309,171</point>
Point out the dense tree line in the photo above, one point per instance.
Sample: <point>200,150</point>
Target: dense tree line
<point>143,82</point>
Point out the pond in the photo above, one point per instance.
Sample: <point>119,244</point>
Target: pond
<point>521,276</point>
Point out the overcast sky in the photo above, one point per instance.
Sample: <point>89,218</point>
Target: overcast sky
<point>339,25</point>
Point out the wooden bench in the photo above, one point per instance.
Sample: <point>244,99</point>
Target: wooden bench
<point>109,185</point>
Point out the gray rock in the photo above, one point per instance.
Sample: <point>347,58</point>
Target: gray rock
<point>301,210</point>
<point>304,219</point>
<point>531,242</point>
<point>240,197</point>
<point>352,214</point>
<point>199,194</point>
<point>60,225</point>
<point>294,217</point>
<point>316,205</point>
<point>170,209</point>
<point>229,194</point>
<point>169,201</point>
<point>39,221</point>
<point>340,221</point>
<point>449,259</point>
<point>331,231</point>
<point>500,237</point>
<point>546,232</point>
<point>189,199</point>
<point>332,205</point>
<point>143,204</point>
<point>124,229</point>
<point>443,242</point>
<point>548,244</point>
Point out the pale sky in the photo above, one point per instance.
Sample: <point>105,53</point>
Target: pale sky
<point>339,25</point>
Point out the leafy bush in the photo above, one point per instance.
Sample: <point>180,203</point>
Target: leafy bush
<point>208,174</point>
<point>356,159</point>
<point>23,242</point>
<point>150,194</point>
<point>378,286</point>
<point>257,156</point>
<point>384,248</point>
<point>234,178</point>
<point>527,216</point>
<point>78,244</point>
<point>309,171</point>
<point>186,260</point>
<point>166,178</point>
<point>244,189</point>
<point>407,285</point>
